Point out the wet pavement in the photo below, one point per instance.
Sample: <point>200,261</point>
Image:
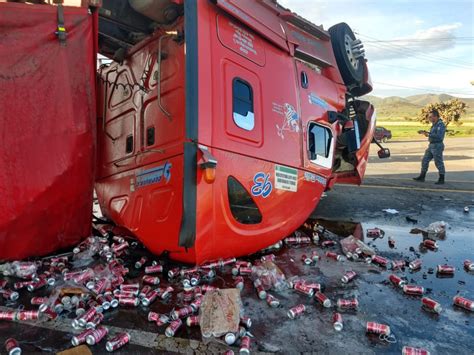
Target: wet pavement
<point>450,332</point>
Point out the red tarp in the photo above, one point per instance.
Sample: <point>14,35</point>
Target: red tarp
<point>47,128</point>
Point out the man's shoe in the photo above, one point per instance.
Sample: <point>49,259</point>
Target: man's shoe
<point>440,180</point>
<point>420,178</point>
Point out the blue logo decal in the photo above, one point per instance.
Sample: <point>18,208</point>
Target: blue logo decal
<point>262,185</point>
<point>154,175</point>
<point>316,100</point>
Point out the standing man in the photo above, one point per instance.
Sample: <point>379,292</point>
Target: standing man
<point>435,148</point>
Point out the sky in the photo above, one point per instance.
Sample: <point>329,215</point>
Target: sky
<point>412,47</point>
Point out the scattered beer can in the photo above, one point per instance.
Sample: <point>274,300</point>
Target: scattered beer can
<point>348,276</point>
<point>96,335</point>
<point>415,264</point>
<point>246,321</point>
<point>272,301</point>
<point>239,282</point>
<point>192,321</point>
<point>81,337</point>
<point>182,312</point>
<point>347,304</point>
<point>430,244</point>
<point>334,256</point>
<point>27,315</point>
<point>173,328</point>
<point>413,290</point>
<point>409,350</point>
<point>230,338</point>
<point>337,321</point>
<point>314,256</point>
<point>8,315</point>
<point>460,302</point>
<point>328,243</point>
<point>468,265</point>
<point>296,311</point>
<point>151,280</point>
<point>377,328</point>
<point>141,262</point>
<point>245,345</point>
<point>379,260</point>
<point>397,281</point>
<point>398,264</point>
<point>391,242</point>
<point>306,259</point>
<point>375,233</point>
<point>431,305</point>
<point>304,289</point>
<point>445,269</point>
<point>125,301</point>
<point>322,299</point>
<point>117,342</point>
<point>10,295</point>
<point>12,347</point>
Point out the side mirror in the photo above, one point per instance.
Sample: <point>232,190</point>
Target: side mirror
<point>384,153</point>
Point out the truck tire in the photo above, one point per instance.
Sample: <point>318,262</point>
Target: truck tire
<point>350,66</point>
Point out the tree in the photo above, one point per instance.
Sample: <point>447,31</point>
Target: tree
<point>450,111</point>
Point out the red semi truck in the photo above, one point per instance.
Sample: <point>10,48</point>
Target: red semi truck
<point>220,123</point>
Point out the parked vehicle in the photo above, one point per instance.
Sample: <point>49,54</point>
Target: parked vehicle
<point>382,134</point>
<point>221,123</point>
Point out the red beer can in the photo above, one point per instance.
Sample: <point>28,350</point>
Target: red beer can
<point>8,315</point>
<point>269,257</point>
<point>12,347</point>
<point>96,335</point>
<point>182,312</point>
<point>347,303</point>
<point>117,342</point>
<point>272,301</point>
<point>296,311</point>
<point>246,321</point>
<point>457,301</point>
<point>334,256</point>
<point>304,289</point>
<point>413,290</point>
<point>328,243</point>
<point>153,269</point>
<point>348,276</point>
<point>377,328</point>
<point>27,315</point>
<point>192,321</point>
<point>469,265</point>
<point>337,321</point>
<point>81,337</point>
<point>322,299</point>
<point>151,280</point>
<point>130,288</point>
<point>397,281</point>
<point>306,259</point>
<point>431,305</point>
<point>445,269</point>
<point>430,244</point>
<point>173,328</point>
<point>129,301</point>
<point>245,345</point>
<point>415,264</point>
<point>380,260</point>
<point>141,262</point>
<point>408,350</point>
<point>239,282</point>
<point>398,264</point>
<point>10,295</point>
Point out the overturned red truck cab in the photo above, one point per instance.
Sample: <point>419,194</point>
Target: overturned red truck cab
<point>219,130</point>
<point>211,133</point>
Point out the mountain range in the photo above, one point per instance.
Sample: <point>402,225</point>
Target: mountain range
<point>406,108</point>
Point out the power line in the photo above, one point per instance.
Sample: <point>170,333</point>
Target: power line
<point>427,90</point>
<point>428,57</point>
<point>407,68</point>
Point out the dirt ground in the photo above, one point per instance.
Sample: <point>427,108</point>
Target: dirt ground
<point>344,209</point>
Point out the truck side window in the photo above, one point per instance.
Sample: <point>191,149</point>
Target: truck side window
<point>242,206</point>
<point>320,146</point>
<point>242,104</point>
<point>150,136</point>
<point>304,80</point>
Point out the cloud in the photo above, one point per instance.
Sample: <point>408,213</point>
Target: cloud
<point>430,40</point>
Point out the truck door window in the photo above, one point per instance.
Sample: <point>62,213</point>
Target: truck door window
<point>320,145</point>
<point>129,144</point>
<point>242,206</point>
<point>242,104</point>
<point>150,136</point>
<point>304,80</point>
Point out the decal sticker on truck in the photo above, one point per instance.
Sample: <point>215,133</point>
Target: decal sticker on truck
<point>316,100</point>
<point>262,186</point>
<point>315,178</point>
<point>286,178</point>
<point>153,175</point>
<point>290,118</point>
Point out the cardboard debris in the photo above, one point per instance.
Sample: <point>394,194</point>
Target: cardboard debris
<point>220,312</point>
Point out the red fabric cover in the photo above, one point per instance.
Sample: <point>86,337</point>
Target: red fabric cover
<point>47,129</point>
